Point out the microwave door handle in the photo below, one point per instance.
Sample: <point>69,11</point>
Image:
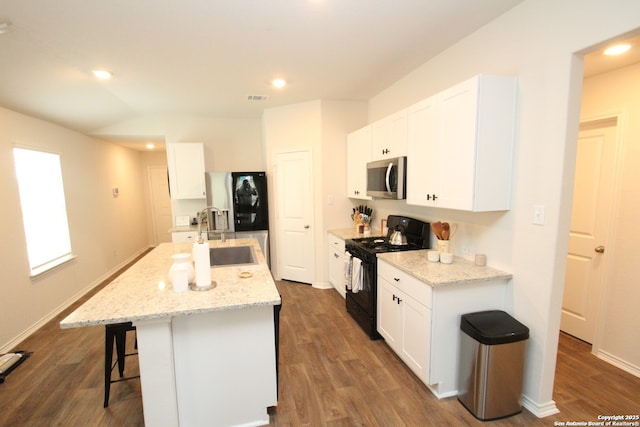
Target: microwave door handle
<point>389,168</point>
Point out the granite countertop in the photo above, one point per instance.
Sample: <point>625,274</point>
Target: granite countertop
<point>436,274</point>
<point>351,233</point>
<point>143,291</point>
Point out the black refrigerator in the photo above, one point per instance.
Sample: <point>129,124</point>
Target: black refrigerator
<point>250,201</point>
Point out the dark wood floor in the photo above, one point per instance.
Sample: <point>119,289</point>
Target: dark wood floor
<point>331,374</point>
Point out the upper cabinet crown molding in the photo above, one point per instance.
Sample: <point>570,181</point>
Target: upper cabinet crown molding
<point>185,161</point>
<point>460,145</point>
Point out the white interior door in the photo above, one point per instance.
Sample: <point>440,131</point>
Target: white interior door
<point>160,204</point>
<point>593,190</point>
<point>294,191</point>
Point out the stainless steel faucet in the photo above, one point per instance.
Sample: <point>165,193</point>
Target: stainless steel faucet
<point>200,215</point>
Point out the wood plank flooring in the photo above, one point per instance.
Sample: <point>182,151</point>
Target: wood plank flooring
<point>331,374</point>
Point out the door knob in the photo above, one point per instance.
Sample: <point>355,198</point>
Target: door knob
<point>306,226</point>
<point>599,249</point>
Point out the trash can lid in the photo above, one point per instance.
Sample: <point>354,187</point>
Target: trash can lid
<point>493,327</point>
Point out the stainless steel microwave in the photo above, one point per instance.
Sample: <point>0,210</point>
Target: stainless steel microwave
<point>387,179</point>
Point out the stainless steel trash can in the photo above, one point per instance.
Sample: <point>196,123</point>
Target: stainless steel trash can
<point>491,368</point>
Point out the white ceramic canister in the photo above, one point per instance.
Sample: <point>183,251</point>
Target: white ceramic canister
<point>443,246</point>
<point>182,262</point>
<point>446,258</point>
<point>433,256</point>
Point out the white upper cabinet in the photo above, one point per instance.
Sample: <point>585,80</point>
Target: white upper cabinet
<point>389,136</point>
<point>460,145</point>
<point>423,164</point>
<point>185,161</point>
<point>358,155</point>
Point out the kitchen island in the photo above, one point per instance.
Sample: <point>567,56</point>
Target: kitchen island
<point>206,358</point>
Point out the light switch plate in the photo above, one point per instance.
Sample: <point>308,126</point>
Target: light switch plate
<point>182,221</point>
<point>538,215</point>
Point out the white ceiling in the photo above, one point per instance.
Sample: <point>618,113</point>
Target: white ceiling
<point>205,57</point>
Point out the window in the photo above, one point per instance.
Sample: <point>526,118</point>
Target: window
<point>44,212</point>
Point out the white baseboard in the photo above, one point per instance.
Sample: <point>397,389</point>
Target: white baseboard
<point>618,363</point>
<point>539,410</point>
<point>8,346</point>
<point>322,285</point>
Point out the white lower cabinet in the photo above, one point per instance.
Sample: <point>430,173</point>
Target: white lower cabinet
<point>336,263</point>
<point>404,321</point>
<point>422,323</point>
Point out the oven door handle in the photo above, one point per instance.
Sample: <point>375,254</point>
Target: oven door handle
<point>388,175</point>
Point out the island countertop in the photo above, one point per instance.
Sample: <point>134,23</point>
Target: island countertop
<point>436,274</point>
<point>144,292</point>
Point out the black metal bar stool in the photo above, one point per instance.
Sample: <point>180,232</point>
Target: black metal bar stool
<point>116,332</point>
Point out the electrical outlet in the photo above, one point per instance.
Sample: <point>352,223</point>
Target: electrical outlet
<point>466,250</point>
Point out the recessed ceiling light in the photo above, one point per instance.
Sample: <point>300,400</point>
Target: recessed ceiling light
<point>102,74</point>
<point>618,49</point>
<point>279,83</point>
<point>150,146</point>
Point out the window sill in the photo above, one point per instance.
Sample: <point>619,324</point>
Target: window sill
<point>40,270</point>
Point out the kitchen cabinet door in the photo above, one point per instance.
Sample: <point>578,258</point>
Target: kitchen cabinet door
<point>389,136</point>
<point>416,338</point>
<point>336,264</point>
<point>404,317</point>
<point>389,315</point>
<point>358,155</point>
<point>473,133</point>
<point>423,154</point>
<point>185,161</point>
<point>184,236</point>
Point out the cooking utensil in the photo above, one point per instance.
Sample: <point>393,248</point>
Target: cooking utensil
<point>446,230</point>
<point>398,237</point>
<point>436,227</point>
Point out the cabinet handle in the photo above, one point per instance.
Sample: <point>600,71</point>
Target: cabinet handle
<point>397,279</point>
<point>334,255</point>
<point>599,249</point>
<point>398,300</point>
<point>432,197</point>
<point>394,297</point>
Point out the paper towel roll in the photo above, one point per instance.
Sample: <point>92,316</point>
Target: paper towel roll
<point>202,265</point>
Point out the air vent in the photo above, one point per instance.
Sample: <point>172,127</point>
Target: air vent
<point>257,98</point>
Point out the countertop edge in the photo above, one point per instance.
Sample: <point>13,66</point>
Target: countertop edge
<point>434,274</point>
<point>134,319</point>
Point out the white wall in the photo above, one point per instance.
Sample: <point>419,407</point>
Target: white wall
<point>106,232</point>
<point>535,41</point>
<point>618,336</point>
<point>230,144</point>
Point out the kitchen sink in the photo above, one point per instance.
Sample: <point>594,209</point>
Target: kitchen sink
<point>232,255</point>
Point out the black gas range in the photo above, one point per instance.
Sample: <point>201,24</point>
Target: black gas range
<point>361,305</point>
